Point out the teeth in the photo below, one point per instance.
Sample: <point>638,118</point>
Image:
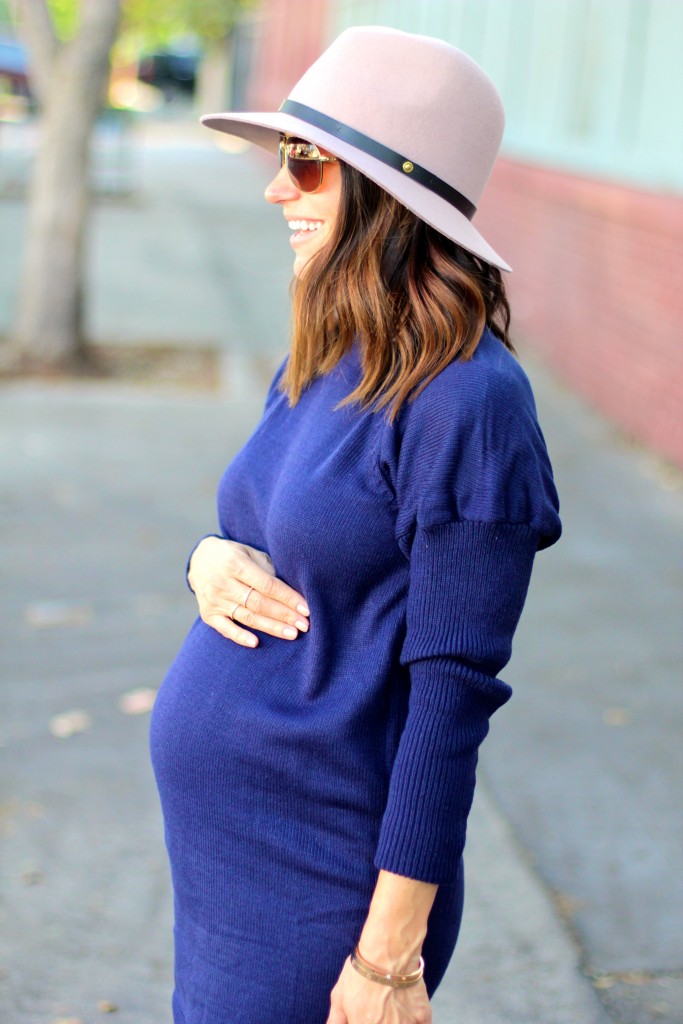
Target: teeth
<point>303,225</point>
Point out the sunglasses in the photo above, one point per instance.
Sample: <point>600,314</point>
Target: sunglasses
<point>304,163</point>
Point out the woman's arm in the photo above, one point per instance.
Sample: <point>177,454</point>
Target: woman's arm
<point>391,941</point>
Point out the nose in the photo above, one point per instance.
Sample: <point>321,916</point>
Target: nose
<point>281,188</point>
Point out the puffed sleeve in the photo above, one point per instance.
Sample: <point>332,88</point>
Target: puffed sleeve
<point>471,481</point>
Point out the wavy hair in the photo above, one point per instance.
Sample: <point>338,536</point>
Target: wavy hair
<point>416,299</point>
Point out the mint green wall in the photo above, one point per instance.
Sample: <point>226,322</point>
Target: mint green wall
<point>592,86</point>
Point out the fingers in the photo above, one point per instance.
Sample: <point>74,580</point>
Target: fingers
<point>288,630</point>
<point>268,586</point>
<point>262,601</point>
<point>223,611</point>
<point>230,630</point>
<point>256,607</point>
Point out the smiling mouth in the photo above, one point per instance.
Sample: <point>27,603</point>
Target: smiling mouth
<point>304,227</point>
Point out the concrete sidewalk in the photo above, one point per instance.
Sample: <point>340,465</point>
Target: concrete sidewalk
<point>573,855</point>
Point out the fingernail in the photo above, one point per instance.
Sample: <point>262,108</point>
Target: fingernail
<point>302,624</point>
<point>289,632</point>
<point>252,641</point>
<point>303,609</point>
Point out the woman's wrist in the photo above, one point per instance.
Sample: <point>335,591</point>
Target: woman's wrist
<point>381,976</point>
<point>396,926</point>
<point>392,949</point>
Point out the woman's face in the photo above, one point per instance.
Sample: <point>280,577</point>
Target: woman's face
<point>310,215</point>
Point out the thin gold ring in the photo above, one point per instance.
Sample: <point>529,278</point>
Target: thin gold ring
<point>231,615</point>
<point>244,601</point>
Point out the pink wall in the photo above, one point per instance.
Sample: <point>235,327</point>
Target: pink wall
<point>596,289</point>
<point>292,36</point>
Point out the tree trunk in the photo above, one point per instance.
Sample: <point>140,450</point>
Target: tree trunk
<point>48,330</point>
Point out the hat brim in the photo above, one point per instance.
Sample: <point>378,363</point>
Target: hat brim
<point>264,130</point>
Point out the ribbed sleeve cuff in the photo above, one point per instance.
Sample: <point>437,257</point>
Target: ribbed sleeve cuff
<point>432,783</point>
<point>468,583</point>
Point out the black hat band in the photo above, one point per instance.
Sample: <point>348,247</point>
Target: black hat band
<point>387,156</point>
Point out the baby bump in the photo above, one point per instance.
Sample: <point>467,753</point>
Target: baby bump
<point>240,755</point>
<point>215,695</point>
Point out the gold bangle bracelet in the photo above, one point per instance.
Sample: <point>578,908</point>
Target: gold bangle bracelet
<point>372,973</point>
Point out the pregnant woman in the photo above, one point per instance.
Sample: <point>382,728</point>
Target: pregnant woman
<point>316,738</point>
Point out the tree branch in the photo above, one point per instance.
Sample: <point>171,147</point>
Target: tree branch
<point>37,32</point>
<point>89,52</point>
<point>98,25</point>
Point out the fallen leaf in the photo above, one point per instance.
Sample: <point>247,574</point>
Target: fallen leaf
<point>568,905</point>
<point>617,717</point>
<point>32,877</point>
<point>54,614</point>
<point>69,723</point>
<point>104,1006</point>
<point>137,702</point>
<point>604,982</point>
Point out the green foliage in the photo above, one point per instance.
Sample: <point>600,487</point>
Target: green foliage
<point>157,22</point>
<point>150,23</point>
<point>65,16</point>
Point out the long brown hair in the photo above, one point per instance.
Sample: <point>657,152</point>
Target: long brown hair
<point>416,299</point>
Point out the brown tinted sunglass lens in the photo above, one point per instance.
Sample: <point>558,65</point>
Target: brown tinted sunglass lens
<point>306,174</point>
<point>303,165</point>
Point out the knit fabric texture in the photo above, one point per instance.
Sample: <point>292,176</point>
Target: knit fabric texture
<point>290,773</point>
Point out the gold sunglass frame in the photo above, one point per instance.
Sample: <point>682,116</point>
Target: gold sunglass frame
<point>317,157</point>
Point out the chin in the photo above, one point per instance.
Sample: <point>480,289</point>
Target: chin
<point>300,264</point>
<point>301,261</point>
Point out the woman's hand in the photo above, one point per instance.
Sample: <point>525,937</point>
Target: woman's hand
<point>356,1000</point>
<point>235,585</point>
<point>392,938</point>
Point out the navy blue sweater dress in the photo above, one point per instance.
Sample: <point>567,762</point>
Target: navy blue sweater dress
<point>290,773</point>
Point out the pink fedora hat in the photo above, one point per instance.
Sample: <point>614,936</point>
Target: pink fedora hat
<point>416,115</point>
